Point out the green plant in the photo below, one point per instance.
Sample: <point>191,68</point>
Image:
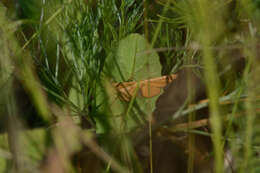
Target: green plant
<point>64,57</point>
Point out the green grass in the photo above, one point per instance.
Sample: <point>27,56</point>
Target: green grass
<point>65,55</point>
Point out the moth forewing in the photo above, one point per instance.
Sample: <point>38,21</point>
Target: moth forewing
<point>148,88</point>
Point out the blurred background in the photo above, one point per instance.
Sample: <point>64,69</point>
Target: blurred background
<point>158,86</point>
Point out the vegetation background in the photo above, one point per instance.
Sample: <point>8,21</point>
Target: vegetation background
<point>60,60</point>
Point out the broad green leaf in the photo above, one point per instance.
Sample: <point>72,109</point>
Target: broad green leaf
<point>76,97</point>
<point>134,60</point>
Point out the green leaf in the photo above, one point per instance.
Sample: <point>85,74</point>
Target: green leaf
<point>134,60</point>
<point>75,96</point>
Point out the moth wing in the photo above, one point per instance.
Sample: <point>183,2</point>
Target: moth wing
<point>150,91</point>
<point>152,87</point>
<point>127,92</point>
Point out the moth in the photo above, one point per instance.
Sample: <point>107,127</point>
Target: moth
<point>146,88</point>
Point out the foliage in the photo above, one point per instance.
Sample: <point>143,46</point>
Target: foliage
<point>60,60</point>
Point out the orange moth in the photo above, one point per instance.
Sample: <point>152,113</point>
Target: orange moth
<point>147,88</point>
